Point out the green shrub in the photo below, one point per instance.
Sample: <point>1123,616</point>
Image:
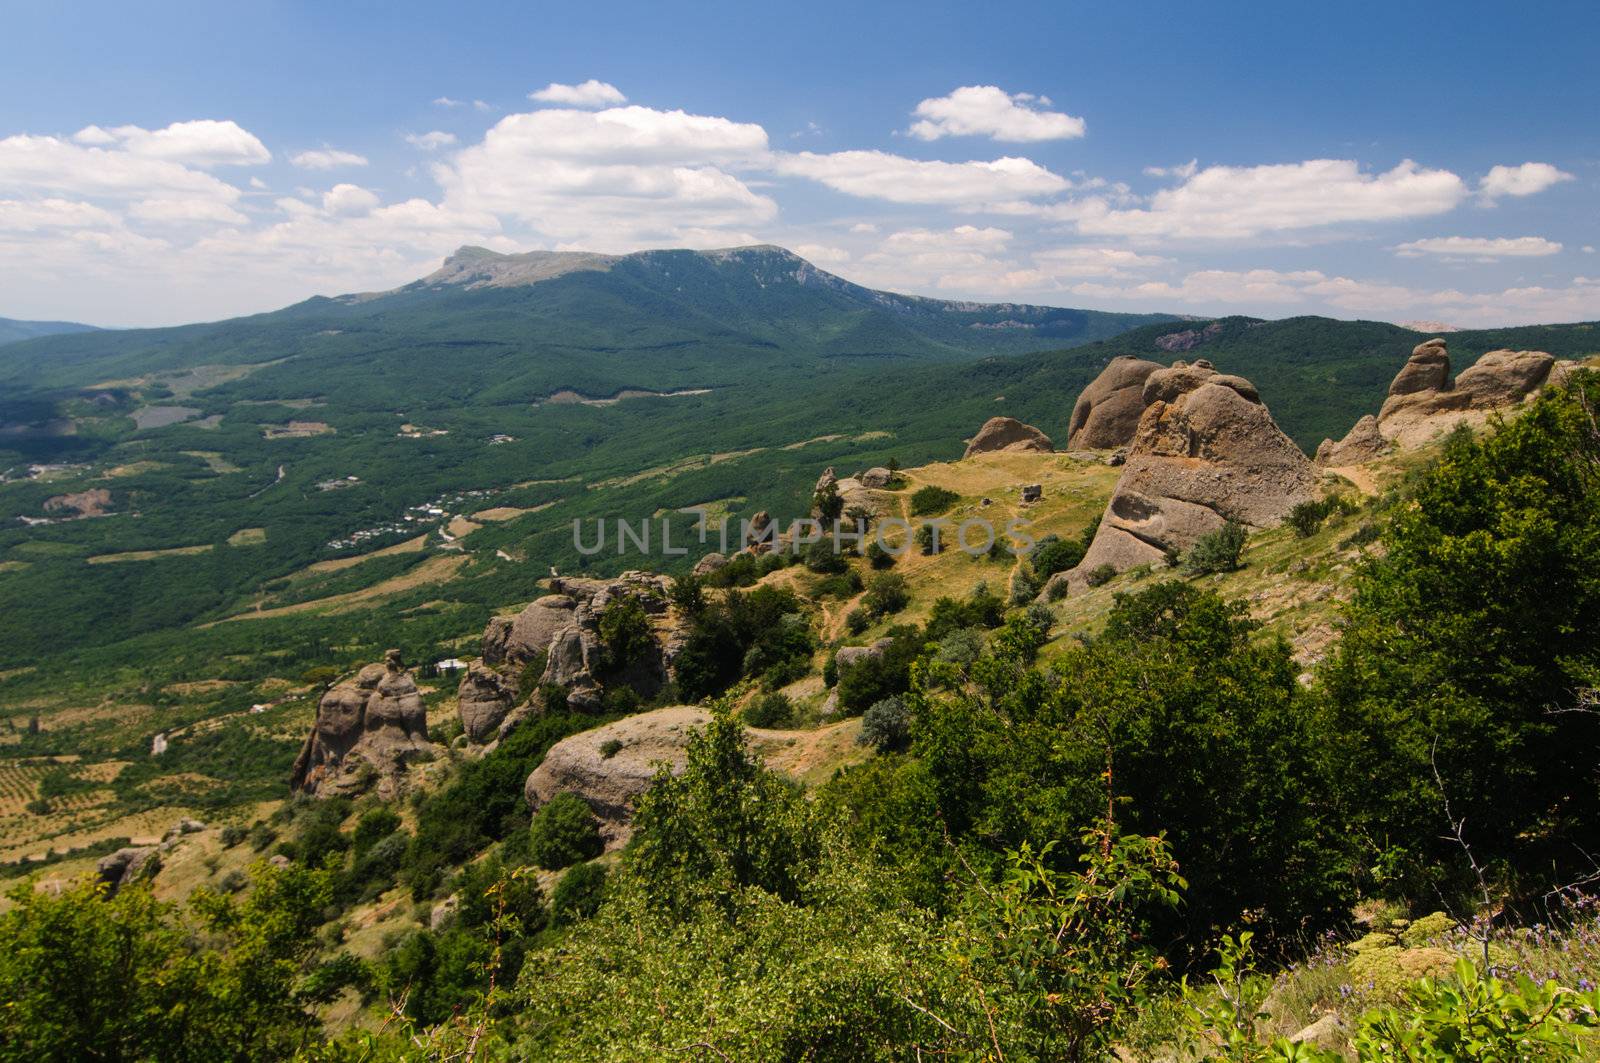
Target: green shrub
<point>610,748</point>
<point>886,594</point>
<point>233,834</point>
<point>857,620</point>
<point>1218,551</point>
<point>564,832</point>
<point>578,895</point>
<point>931,542</point>
<point>878,556</point>
<point>771,709</point>
<point>625,630</point>
<point>1307,517</point>
<point>929,501</point>
<point>1100,575</point>
<point>1053,555</point>
<point>886,726</point>
<point>821,557</point>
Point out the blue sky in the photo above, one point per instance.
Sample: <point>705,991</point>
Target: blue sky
<point>173,162</point>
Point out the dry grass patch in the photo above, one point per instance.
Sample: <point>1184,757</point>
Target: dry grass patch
<point>248,537</point>
<point>149,555</point>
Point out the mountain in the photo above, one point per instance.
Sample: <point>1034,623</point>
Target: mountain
<point>547,320</point>
<point>13,331</point>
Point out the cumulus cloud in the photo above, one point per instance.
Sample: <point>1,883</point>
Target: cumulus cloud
<point>202,143</point>
<point>618,178</point>
<point>32,216</point>
<point>989,111</point>
<point>327,159</point>
<point>54,165</point>
<point>897,179</point>
<point>1186,171</point>
<point>1480,247</point>
<point>348,199</point>
<point>590,93</point>
<point>1233,202</point>
<point>431,141</point>
<point>1525,180</point>
<point>190,211</point>
<point>1065,262</point>
<point>822,254</point>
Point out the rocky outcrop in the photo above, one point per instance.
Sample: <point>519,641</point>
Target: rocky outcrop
<point>712,562</point>
<point>1188,339</point>
<point>367,729</point>
<point>876,478</point>
<point>484,699</point>
<point>1363,443</point>
<point>1424,402</point>
<point>1009,434</point>
<point>563,629</point>
<point>1206,452</point>
<point>129,864</point>
<point>611,778</point>
<point>516,640</point>
<point>1107,413</point>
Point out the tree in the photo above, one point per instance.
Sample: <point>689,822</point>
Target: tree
<point>564,832</point>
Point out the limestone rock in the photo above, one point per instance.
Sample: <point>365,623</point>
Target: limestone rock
<point>129,864</point>
<point>1188,339</point>
<point>1107,413</point>
<point>1363,443</point>
<point>710,563</point>
<point>1206,452</point>
<point>366,731</point>
<point>876,477</point>
<point>484,699</point>
<point>1424,402</point>
<point>611,784</point>
<point>1008,433</point>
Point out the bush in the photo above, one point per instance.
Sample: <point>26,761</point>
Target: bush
<point>857,620</point>
<point>1024,585</point>
<point>879,557</point>
<point>821,557</point>
<point>1218,551</point>
<point>930,500</point>
<point>625,630</point>
<point>886,726</point>
<point>233,834</point>
<point>929,542</point>
<point>374,825</point>
<point>1307,517</point>
<point>610,748</point>
<point>564,832</point>
<point>1100,575</point>
<point>578,895</point>
<point>770,710</point>
<point>880,675</point>
<point>1054,555</point>
<point>886,594</point>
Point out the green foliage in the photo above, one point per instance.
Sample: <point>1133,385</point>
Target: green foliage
<point>90,976</point>
<point>879,557</point>
<point>880,675</point>
<point>1217,551</point>
<point>578,894</point>
<point>375,824</point>
<point>1100,575</point>
<point>564,832</point>
<point>1464,652</point>
<point>772,709</point>
<point>821,557</point>
<point>930,501</point>
<point>743,634</point>
<point>857,620</point>
<point>625,631</point>
<point>610,748</point>
<point>886,725</point>
<point>980,609</point>
<point>887,593</point>
<point>1053,555</point>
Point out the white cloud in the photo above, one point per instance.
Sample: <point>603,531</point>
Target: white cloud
<point>1588,249</point>
<point>53,165</point>
<point>203,143</point>
<point>258,184</point>
<point>822,254</point>
<point>988,111</point>
<point>181,211</point>
<point>1480,247</point>
<point>618,178</point>
<point>446,101</point>
<point>348,199</point>
<point>590,93</point>
<point>1186,171</point>
<point>1525,180</point>
<point>34,215</point>
<point>327,159</point>
<point>479,105</point>
<point>1234,202</point>
<point>431,141</point>
<point>1067,262</point>
<point>863,228</point>
<point>897,179</point>
<point>962,237</point>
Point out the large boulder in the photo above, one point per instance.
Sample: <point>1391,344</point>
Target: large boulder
<point>1107,413</point>
<point>1361,444</point>
<point>876,477</point>
<point>484,699</point>
<point>129,864</point>
<point>611,778</point>
<point>367,729</point>
<point>1008,433</point>
<point>1206,452</point>
<point>1424,402</point>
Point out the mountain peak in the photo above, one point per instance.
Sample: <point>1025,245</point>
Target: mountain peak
<point>478,267</point>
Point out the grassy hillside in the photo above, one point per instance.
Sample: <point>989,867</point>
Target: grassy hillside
<point>13,331</point>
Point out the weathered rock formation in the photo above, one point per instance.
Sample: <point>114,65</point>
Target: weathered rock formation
<point>1206,452</point>
<point>1424,402</point>
<point>129,864</point>
<point>484,699</point>
<point>1107,413</point>
<point>1363,443</point>
<point>611,783</point>
<point>366,731</point>
<point>563,629</point>
<point>876,477</point>
<point>1188,339</point>
<point>1010,434</point>
<point>710,563</point>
